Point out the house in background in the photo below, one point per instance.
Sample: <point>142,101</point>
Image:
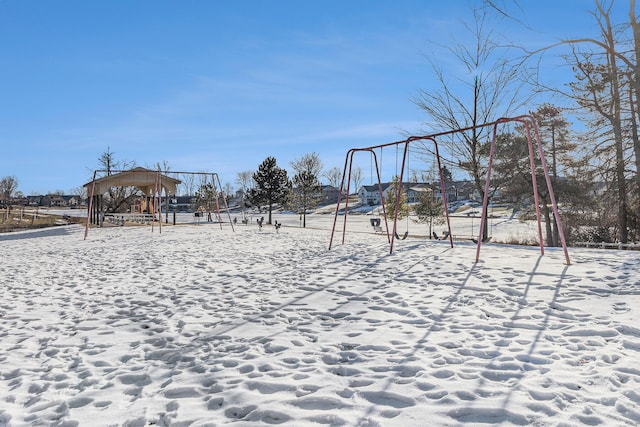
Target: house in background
<point>330,194</point>
<point>33,200</point>
<point>56,200</point>
<point>180,204</point>
<point>464,190</point>
<point>72,201</point>
<point>370,194</point>
<point>415,191</point>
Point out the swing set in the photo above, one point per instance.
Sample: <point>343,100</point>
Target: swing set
<point>151,183</point>
<point>532,134</point>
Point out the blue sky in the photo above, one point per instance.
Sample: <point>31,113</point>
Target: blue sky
<point>218,86</point>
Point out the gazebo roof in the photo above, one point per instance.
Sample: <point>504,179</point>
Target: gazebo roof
<point>144,179</point>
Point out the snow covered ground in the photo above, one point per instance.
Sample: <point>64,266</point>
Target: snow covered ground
<point>202,326</point>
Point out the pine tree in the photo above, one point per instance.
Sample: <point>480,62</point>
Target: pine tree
<point>429,210</point>
<point>513,169</point>
<point>208,199</point>
<point>554,133</point>
<point>271,185</point>
<point>390,201</point>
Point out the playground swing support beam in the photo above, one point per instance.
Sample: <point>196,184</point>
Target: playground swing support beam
<point>399,190</point>
<point>214,178</point>
<point>348,163</point>
<point>530,125</point>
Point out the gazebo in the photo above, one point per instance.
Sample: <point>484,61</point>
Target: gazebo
<point>151,183</point>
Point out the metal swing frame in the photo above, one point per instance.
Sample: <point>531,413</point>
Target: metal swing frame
<point>157,192</point>
<point>532,134</point>
<point>348,165</point>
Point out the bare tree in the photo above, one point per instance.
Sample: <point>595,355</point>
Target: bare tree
<point>607,89</point>
<point>306,187</point>
<point>635,91</point>
<point>490,89</point>
<point>228,191</point>
<point>357,176</point>
<point>163,166</point>
<point>79,191</point>
<point>8,185</point>
<point>334,176</point>
<point>245,181</point>
<point>107,160</point>
<point>601,87</point>
<point>117,199</point>
<point>188,184</point>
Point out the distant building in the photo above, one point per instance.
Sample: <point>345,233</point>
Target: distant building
<point>370,194</point>
<point>181,204</point>
<point>330,194</point>
<point>55,200</point>
<point>416,191</point>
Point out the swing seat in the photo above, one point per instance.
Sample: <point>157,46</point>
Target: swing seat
<point>487,240</point>
<point>406,233</point>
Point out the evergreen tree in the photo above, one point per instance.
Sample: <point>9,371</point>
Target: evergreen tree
<point>390,201</point>
<point>271,185</point>
<point>554,135</point>
<point>513,168</point>
<point>208,199</point>
<point>429,210</point>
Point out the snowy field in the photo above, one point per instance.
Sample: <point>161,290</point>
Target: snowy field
<point>503,223</point>
<point>202,326</point>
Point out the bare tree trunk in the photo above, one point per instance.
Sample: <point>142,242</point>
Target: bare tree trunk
<point>616,121</point>
<point>635,92</point>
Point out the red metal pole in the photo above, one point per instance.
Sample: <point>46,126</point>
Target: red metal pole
<point>552,196</point>
<point>340,193</point>
<point>93,186</point>
<point>444,192</point>
<point>155,194</point>
<point>485,201</point>
<point>346,202</point>
<point>398,194</point>
<point>384,211</point>
<point>522,119</point>
<point>224,199</point>
<point>534,181</point>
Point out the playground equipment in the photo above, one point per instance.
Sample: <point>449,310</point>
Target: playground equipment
<point>531,127</point>
<point>151,183</point>
<point>391,237</point>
